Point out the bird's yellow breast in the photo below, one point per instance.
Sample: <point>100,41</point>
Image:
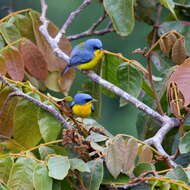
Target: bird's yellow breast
<point>89,65</point>
<point>82,110</point>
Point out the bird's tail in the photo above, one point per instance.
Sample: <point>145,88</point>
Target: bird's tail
<point>65,70</point>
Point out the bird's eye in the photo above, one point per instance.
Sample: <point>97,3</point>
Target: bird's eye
<point>88,100</point>
<point>96,47</point>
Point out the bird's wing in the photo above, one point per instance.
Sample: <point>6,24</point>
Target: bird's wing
<point>80,56</point>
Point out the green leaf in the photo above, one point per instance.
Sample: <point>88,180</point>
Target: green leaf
<point>142,168</point>
<point>2,42</point>
<point>49,126</point>
<point>170,5</point>
<point>121,12</point>
<point>78,164</point>
<point>5,167</point>
<point>129,79</point>
<point>26,129</point>
<point>178,174</point>
<point>41,179</point>
<point>109,72</point>
<point>21,175</point>
<point>58,167</point>
<point>9,32</point>
<point>165,186</point>
<point>93,179</point>
<point>3,187</point>
<point>24,25</point>
<point>184,144</point>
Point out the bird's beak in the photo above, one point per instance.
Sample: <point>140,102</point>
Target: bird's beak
<point>94,100</point>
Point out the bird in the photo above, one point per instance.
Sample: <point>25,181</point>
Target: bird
<point>85,55</point>
<point>82,105</point>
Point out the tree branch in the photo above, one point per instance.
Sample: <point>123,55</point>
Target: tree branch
<point>167,123</point>
<point>48,108</point>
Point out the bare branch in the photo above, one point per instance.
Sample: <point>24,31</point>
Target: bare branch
<point>71,18</point>
<point>167,123</point>
<point>91,31</point>
<point>48,108</point>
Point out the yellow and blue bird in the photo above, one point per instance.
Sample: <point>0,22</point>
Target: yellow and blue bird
<point>82,105</point>
<point>85,55</point>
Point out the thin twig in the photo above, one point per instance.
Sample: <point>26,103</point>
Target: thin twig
<point>149,63</point>
<point>71,18</point>
<point>48,108</point>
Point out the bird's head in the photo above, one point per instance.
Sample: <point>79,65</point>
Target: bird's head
<point>82,98</point>
<point>94,44</point>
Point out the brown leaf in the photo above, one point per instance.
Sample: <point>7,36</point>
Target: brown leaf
<point>181,77</point>
<point>34,60</point>
<point>175,99</point>
<point>145,154</point>
<point>14,63</point>
<point>54,63</point>
<point>6,117</point>
<point>178,51</point>
<point>163,46</point>
<point>3,67</point>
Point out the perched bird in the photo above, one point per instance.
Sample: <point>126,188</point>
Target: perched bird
<point>82,105</point>
<point>85,55</point>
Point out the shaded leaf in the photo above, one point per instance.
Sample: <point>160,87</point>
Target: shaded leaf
<point>170,4</point>
<point>6,117</point>
<point>52,81</point>
<point>142,168</point>
<point>26,123</point>
<point>184,144</point>
<point>80,165</point>
<point>93,179</point>
<point>5,167</point>
<point>21,174</point>
<point>178,174</point>
<point>178,51</point>
<point>58,167</point>
<point>2,42</point>
<point>145,154</point>
<point>34,60</point>
<point>49,126</point>
<point>3,67</point>
<point>9,32</point>
<point>41,179</point>
<point>129,79</point>
<point>14,63</point>
<point>121,12</point>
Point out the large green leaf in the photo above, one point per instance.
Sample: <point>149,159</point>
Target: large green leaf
<point>41,179</point>
<point>21,174</point>
<point>142,168</point>
<point>121,12</point>
<point>49,126</point>
<point>109,72</point>
<point>184,144</point>
<point>5,167</point>
<point>58,167</point>
<point>170,5</point>
<point>26,129</point>
<point>9,32</point>
<point>129,79</point>
<point>93,179</point>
